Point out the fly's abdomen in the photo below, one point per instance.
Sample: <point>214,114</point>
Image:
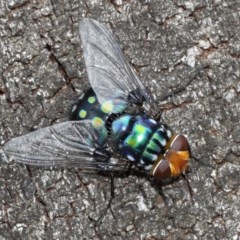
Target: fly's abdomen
<point>140,139</point>
<point>88,108</point>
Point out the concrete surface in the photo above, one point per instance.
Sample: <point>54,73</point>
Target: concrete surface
<point>42,74</point>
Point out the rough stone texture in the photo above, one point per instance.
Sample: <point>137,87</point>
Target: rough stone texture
<point>42,74</point>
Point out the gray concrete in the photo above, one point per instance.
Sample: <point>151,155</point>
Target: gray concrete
<point>42,74</point>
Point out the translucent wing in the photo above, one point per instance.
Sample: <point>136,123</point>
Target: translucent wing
<point>109,73</point>
<point>71,144</point>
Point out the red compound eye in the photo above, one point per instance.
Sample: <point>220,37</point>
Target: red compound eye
<point>162,170</point>
<point>175,159</point>
<point>180,143</point>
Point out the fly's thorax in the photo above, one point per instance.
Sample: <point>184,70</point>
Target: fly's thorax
<point>140,139</point>
<point>175,159</point>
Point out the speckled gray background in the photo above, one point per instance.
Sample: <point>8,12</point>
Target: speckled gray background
<point>41,75</point>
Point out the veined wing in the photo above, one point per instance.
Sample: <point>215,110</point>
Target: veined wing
<point>69,144</point>
<point>109,73</point>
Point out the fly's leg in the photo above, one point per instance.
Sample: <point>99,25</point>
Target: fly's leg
<point>189,170</point>
<point>190,191</point>
<point>103,156</point>
<point>201,162</point>
<point>108,207</point>
<point>158,186</point>
<point>184,86</point>
<point>112,174</point>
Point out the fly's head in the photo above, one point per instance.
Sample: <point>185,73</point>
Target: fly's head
<point>174,161</point>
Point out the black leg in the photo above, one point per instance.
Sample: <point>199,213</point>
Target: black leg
<point>158,186</point>
<point>184,86</point>
<point>201,161</point>
<point>104,212</point>
<point>189,187</point>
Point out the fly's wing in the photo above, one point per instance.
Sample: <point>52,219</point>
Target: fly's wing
<point>109,73</point>
<point>70,144</point>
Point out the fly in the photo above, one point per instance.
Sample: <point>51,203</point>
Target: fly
<point>114,125</point>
